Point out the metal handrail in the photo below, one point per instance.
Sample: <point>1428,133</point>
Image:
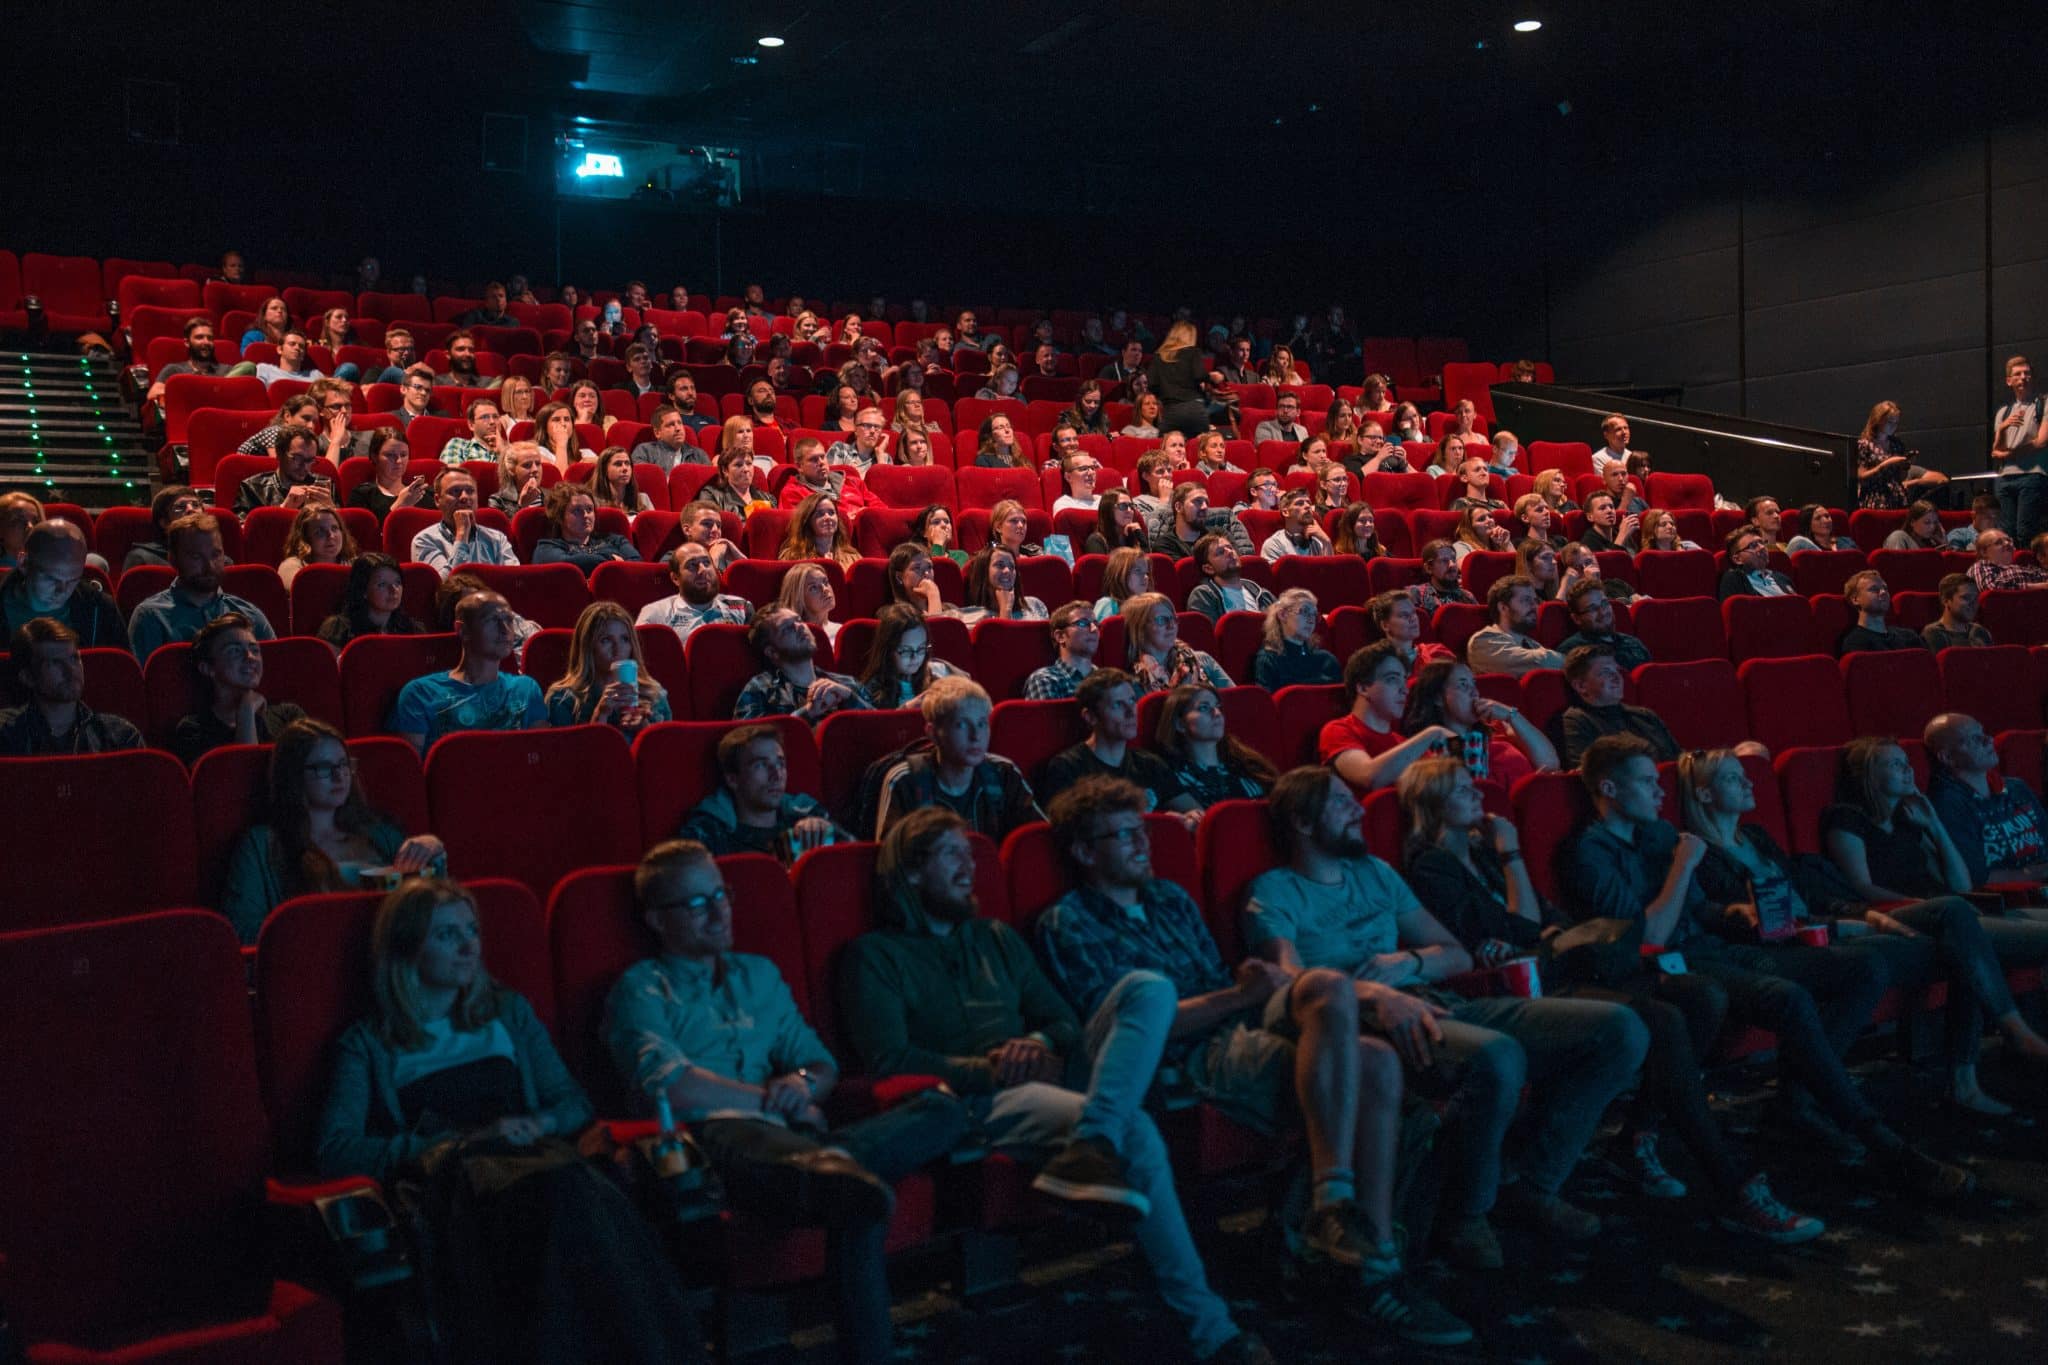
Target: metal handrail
<point>1714,432</point>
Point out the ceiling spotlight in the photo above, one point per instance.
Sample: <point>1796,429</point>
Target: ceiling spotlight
<point>1528,25</point>
<point>769,42</point>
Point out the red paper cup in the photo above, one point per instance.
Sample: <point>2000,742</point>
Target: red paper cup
<point>1521,978</point>
<point>1813,935</point>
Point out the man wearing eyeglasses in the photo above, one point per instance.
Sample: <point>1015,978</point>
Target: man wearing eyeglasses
<point>870,443</point>
<point>718,1035</point>
<point>754,811</point>
<point>416,396</point>
<point>334,425</point>
<point>1076,635</point>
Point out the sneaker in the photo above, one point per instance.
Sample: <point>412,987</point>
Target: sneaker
<point>1401,1307</point>
<point>1642,1167</point>
<point>1547,1213</point>
<point>1469,1244</point>
<point>1918,1173</point>
<point>1242,1349</point>
<point>1758,1213</point>
<point>1088,1170</point>
<point>1331,1235</point>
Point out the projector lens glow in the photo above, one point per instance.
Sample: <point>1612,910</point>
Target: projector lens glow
<point>1528,25</point>
<point>769,42</point>
<point>601,164</point>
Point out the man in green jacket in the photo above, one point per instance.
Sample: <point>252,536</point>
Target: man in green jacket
<point>939,991</point>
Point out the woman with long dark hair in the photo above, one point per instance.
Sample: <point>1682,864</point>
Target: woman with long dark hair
<point>1212,764</point>
<point>371,602</point>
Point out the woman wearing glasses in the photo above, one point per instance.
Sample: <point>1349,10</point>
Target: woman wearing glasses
<point>319,833</point>
<point>900,663</point>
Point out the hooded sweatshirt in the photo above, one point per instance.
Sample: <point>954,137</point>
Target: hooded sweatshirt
<point>923,997</point>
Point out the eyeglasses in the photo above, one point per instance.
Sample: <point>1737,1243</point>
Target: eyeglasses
<point>1126,836</point>
<point>912,651</point>
<point>696,906</point>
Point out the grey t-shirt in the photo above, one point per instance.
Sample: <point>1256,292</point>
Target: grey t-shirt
<point>1342,926</point>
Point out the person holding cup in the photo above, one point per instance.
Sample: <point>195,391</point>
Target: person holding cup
<point>1466,868</point>
<point>605,680</point>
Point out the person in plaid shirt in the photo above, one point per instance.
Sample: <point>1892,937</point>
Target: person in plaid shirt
<point>1995,567</point>
<point>1233,1041</point>
<point>792,685</point>
<point>1075,632</point>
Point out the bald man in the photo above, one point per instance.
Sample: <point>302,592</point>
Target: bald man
<point>51,582</point>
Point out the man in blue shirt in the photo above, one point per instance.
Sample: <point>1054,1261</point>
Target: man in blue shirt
<point>1234,1039</point>
<point>718,1035</point>
<point>477,694</point>
<point>1628,863</point>
<point>195,598</point>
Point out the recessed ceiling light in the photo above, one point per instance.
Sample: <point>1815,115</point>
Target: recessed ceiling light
<point>1528,25</point>
<point>769,42</point>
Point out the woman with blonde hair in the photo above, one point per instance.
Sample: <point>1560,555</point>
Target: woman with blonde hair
<point>909,415</point>
<point>1009,528</point>
<point>1477,530</point>
<point>1292,652</point>
<point>1155,653</point>
<point>515,400</point>
<point>520,482</point>
<point>1555,491</point>
<point>915,450</point>
<point>605,679</point>
<point>807,591</point>
<point>1660,531</point>
<point>318,536</point>
<point>1280,369</point>
<point>1179,373</point>
<point>817,531</point>
<point>1127,574</point>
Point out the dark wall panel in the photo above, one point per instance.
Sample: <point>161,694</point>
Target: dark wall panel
<point>1886,322</point>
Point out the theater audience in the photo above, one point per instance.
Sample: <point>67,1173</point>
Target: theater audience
<point>753,810</point>
<point>1559,1063</point>
<point>1496,740</point>
<point>908,579</point>
<point>817,531</point>
<point>293,483</point>
<point>605,679</point>
<point>1551,486</point>
<point>1627,863</point>
<point>486,441</point>
<point>170,503</point>
<point>572,517</point>
<point>1440,580</point>
<point>2019,431</point>
<point>1957,626</point>
<point>1660,532</point>
<point>1108,700</point>
<point>1996,821</point>
<point>1596,680</point>
<point>1300,533</point>
<point>670,443</point>
<point>815,479</point>
<point>1291,651</point>
<point>1613,449</point>
<point>1922,530</point>
<point>1209,762</point>
<point>569,1265</point>
<point>1477,530</point>
<point>900,665</point>
<point>319,832</point>
<point>196,597</point>
<point>807,590</point>
<point>371,602</point>
<point>991,592</point>
<point>43,653</point>
<point>1468,871</point>
<point>703,523</point>
<point>1397,618</point>
<point>957,772</point>
<point>458,538</point>
<point>1996,567</point>
<point>318,535</point>
<point>1871,600</point>
<point>732,488</point>
<point>228,666</point>
<point>1536,561</point>
<point>791,684</point>
<point>1009,528</point>
<point>1223,588</point>
<point>51,581</point>
<point>1508,644</point>
<point>1593,614</point>
<point>387,487</point>
<point>1154,652</point>
<point>1606,528</point>
<point>520,478</point>
<point>477,694</point>
<point>1366,746</point>
<point>1358,531</point>
<point>1820,533</point>
<point>1749,571</point>
<point>697,600</point>
<point>869,446</point>
<point>1075,635</point>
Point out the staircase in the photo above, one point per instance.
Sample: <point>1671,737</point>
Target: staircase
<point>65,434</point>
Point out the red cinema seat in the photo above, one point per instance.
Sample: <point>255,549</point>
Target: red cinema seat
<point>1992,685</point>
<point>1573,457</point>
<point>223,297</point>
<point>1794,701</point>
<point>911,486</point>
<point>1806,787</point>
<point>580,783</point>
<point>720,662</point>
<point>316,591</point>
<point>1415,492</point>
<point>1336,580</point>
<point>185,394</point>
<point>1700,701</point>
<point>984,488</point>
<point>1681,492</point>
<point>2015,617</point>
<point>2021,754</point>
<point>1768,627</point>
<point>1679,629</point>
<point>1030,732</point>
<point>848,741</point>
<point>123,822</point>
<point>1548,807</point>
<point>1825,573</point>
<point>312,981</point>
<point>1247,712</point>
<point>552,594</point>
<point>1299,715</point>
<point>1676,573</point>
<point>1457,622</point>
<point>631,585</point>
<point>129,1250</point>
<point>676,764</point>
<point>1906,570</point>
<point>375,668</point>
<point>1891,692</point>
<point>73,295</point>
<point>1233,845</point>
<point>296,668</point>
<point>1482,567</point>
<point>1008,652</point>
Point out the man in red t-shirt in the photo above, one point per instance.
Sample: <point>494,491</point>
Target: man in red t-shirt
<point>1366,747</point>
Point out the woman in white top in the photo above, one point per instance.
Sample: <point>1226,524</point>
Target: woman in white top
<point>1144,421</point>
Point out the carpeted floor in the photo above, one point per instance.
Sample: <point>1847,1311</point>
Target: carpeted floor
<point>1891,1280</point>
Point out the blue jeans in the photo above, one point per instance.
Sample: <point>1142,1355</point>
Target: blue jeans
<point>891,1145</point>
<point>1972,951</point>
<point>1120,1051</point>
<point>1575,1055</point>
<point>2019,504</point>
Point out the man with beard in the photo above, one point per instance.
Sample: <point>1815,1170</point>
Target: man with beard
<point>195,597</point>
<point>56,720</point>
<point>792,684</point>
<point>50,581</point>
<point>697,600</point>
<point>198,358</point>
<point>462,372</point>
